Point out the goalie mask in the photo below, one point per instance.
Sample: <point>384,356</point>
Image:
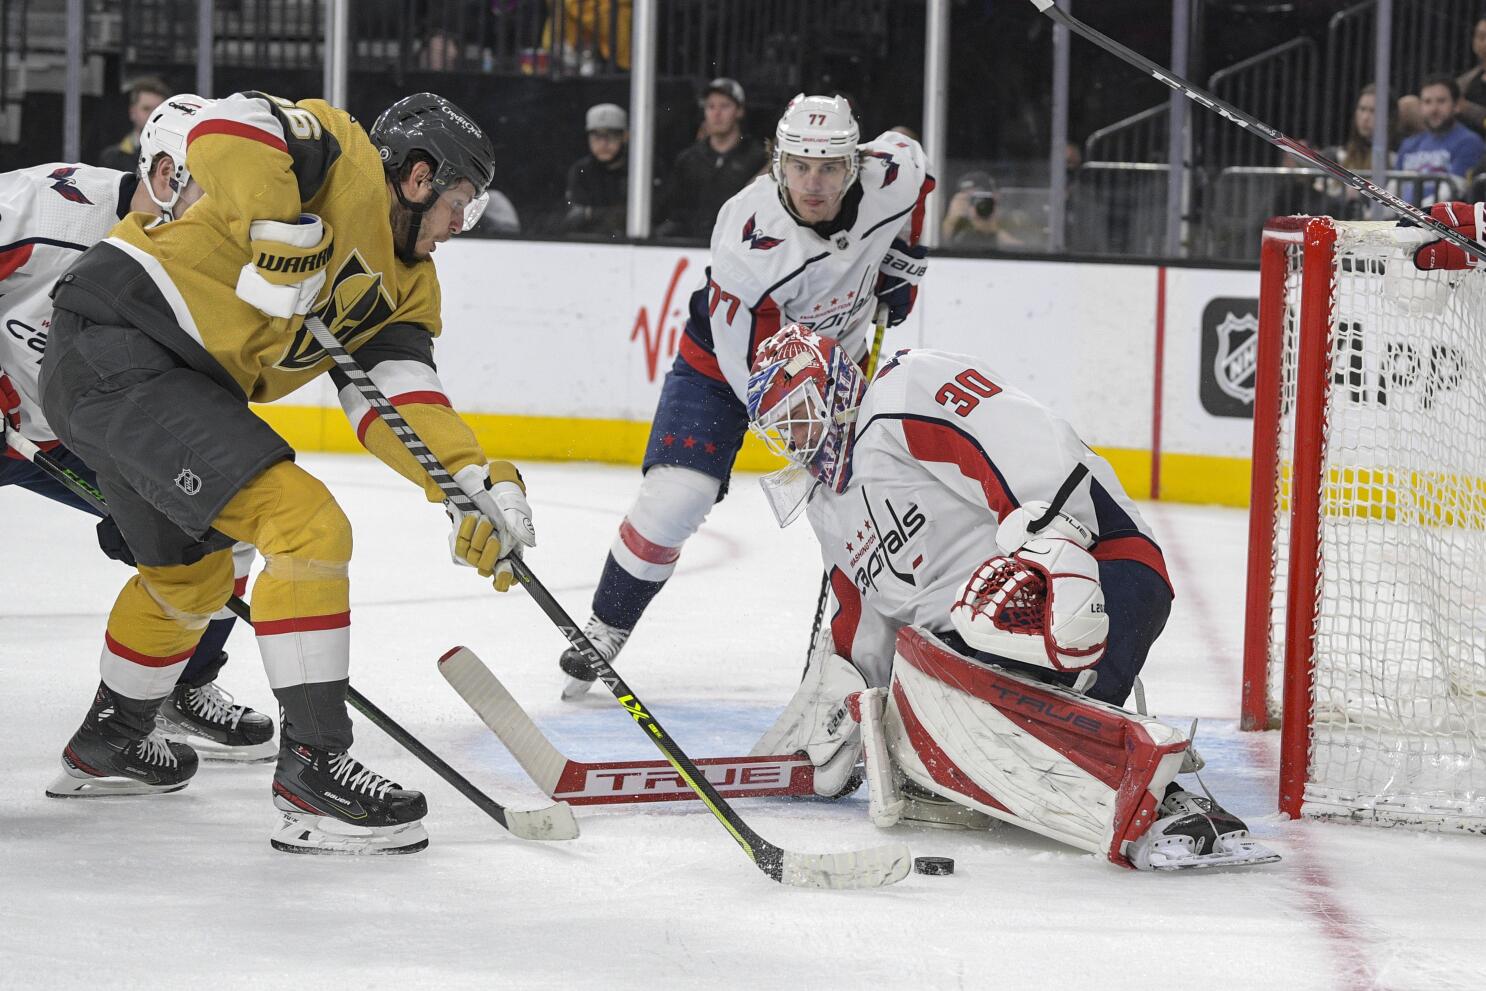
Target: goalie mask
<point>815,155</point>
<point>165,134</point>
<point>802,402</point>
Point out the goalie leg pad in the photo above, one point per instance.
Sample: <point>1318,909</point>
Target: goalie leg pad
<point>1038,756</point>
<point>884,798</point>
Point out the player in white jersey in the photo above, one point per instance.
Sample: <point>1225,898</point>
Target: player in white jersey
<point>49,215</point>
<point>827,235</point>
<point>986,565</point>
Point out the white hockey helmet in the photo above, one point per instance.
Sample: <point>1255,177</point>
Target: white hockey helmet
<point>165,134</point>
<point>817,127</point>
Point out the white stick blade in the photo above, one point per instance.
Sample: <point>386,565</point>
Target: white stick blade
<point>553,823</point>
<point>500,711</point>
<point>874,868</point>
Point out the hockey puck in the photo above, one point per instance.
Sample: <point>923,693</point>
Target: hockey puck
<point>933,865</point>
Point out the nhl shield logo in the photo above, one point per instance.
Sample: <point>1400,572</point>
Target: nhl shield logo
<point>1236,358</point>
<point>842,241</point>
<point>188,482</point>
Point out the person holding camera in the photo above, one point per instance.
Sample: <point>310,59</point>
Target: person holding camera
<point>971,221</point>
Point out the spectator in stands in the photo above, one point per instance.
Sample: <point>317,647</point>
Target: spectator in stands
<point>971,221</point>
<point>709,172</point>
<point>598,182</point>
<point>1355,153</point>
<point>1445,146</point>
<point>145,94</point>
<point>1472,108</point>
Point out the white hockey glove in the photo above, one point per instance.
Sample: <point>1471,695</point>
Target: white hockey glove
<point>486,539</point>
<point>1012,535</point>
<point>817,723</point>
<point>288,267</point>
<point>1042,605</point>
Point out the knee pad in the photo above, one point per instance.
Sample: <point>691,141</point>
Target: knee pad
<point>293,521</point>
<point>190,593</point>
<point>672,504</point>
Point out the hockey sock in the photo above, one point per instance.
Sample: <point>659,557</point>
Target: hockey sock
<point>621,598</point>
<point>301,599</point>
<point>204,664</point>
<point>157,622</point>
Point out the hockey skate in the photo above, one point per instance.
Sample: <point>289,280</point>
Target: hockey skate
<point>606,639</point>
<point>219,729</point>
<point>332,804</point>
<point>104,758</point>
<point>1196,832</point>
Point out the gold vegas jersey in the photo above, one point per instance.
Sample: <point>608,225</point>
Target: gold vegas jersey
<point>257,157</point>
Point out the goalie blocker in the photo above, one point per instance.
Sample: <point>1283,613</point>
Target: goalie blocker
<point>994,740</point>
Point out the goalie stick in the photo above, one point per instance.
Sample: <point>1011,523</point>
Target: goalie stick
<point>1254,125</point>
<point>555,822</point>
<point>870,868</point>
<point>610,782</point>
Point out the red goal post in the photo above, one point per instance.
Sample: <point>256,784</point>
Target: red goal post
<point>1369,485</point>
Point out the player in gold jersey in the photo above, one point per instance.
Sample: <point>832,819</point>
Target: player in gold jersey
<point>164,332</point>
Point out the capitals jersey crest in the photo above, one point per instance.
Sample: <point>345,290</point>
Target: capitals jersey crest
<point>66,186</point>
<point>757,239</point>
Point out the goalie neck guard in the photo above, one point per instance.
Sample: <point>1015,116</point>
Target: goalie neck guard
<point>802,403</point>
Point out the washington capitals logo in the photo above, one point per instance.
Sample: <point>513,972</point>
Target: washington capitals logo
<point>758,240</point>
<point>890,167</point>
<point>66,187</point>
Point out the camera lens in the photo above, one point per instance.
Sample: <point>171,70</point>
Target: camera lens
<point>985,205</point>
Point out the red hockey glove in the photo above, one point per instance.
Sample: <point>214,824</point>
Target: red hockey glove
<point>1465,218</point>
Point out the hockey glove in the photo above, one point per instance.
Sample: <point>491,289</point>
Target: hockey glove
<point>112,542</point>
<point>10,405</point>
<point>898,276</point>
<point>1012,532</point>
<point>499,529</point>
<point>1042,605</point>
<point>288,267</point>
<point>1465,218</point>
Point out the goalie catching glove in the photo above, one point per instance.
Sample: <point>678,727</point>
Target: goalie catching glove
<point>1040,601</point>
<point>1463,217</point>
<point>288,267</point>
<point>499,528</point>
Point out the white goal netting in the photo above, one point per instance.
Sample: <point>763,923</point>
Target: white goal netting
<point>1398,716</point>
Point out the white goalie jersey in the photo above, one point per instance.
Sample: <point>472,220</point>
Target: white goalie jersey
<point>943,451</point>
<point>769,270</point>
<point>49,215</point>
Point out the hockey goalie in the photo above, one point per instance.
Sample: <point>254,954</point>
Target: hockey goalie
<point>997,593</point>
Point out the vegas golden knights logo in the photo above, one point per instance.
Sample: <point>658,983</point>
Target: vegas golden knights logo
<point>358,304</point>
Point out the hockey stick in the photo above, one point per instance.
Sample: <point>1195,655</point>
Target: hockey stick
<point>610,782</point>
<point>553,823</point>
<point>880,320</point>
<point>861,869</point>
<point>1287,144</point>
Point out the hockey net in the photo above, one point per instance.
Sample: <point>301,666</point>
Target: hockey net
<point>1365,630</point>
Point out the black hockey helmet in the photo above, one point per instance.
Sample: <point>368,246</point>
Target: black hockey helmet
<point>431,124</point>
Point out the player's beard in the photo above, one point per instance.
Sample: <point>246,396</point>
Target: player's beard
<point>406,228</point>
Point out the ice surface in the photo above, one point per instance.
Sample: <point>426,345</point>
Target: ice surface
<point>183,890</point>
